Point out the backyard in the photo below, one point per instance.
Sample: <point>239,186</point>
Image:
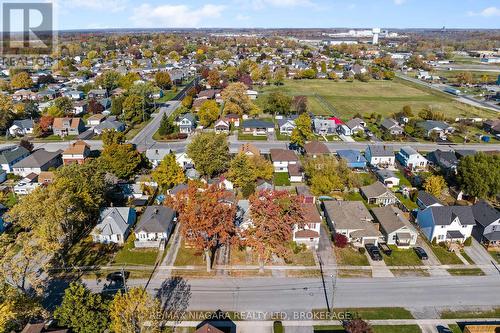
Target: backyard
<point>345,99</point>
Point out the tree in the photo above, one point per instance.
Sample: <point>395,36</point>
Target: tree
<point>126,81</point>
<point>279,77</point>
<point>333,76</point>
<point>6,114</point>
<point>95,107</point>
<point>117,105</point>
<point>61,106</point>
<point>299,104</point>
<point>479,175</point>
<point>108,80</point>
<point>163,80</point>
<point>206,218</point>
<point>26,144</point>
<point>210,153</point>
<point>274,215</point>
<point>133,108</point>
<point>261,168</point>
<point>168,173</point>
<point>82,311</point>
<point>357,326</point>
<point>240,171</point>
<point>45,123</point>
<point>132,311</point>
<point>237,101</point>
<point>31,110</point>
<point>21,80</point>
<point>434,185</point>
<point>465,78</point>
<point>17,309</point>
<point>278,103</point>
<point>208,113</point>
<point>111,136</point>
<point>326,174</point>
<point>122,160</point>
<point>166,126</point>
<point>302,131</point>
<point>213,78</point>
<point>187,101</point>
<point>340,240</point>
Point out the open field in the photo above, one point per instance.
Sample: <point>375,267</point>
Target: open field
<point>382,97</point>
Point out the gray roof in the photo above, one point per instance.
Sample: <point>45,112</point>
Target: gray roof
<point>176,189</point>
<point>156,219</point>
<point>355,122</point>
<point>409,150</point>
<point>390,123</point>
<point>391,219</point>
<point>428,199</point>
<point>380,150</point>
<point>110,124</point>
<point>493,236</point>
<point>9,155</point>
<point>23,123</point>
<point>351,215</point>
<point>384,174</point>
<point>445,159</point>
<point>484,213</point>
<point>375,190</point>
<point>454,234</point>
<point>257,123</point>
<point>431,124</point>
<point>153,154</point>
<point>115,220</point>
<point>38,159</point>
<point>444,215</point>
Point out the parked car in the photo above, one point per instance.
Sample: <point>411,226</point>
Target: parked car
<point>374,252</point>
<point>421,253</point>
<point>385,248</point>
<point>117,276</point>
<point>443,329</point>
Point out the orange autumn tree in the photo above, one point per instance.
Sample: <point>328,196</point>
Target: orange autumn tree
<point>206,217</point>
<point>274,215</point>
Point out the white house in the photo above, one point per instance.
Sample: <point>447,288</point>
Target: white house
<point>387,177</point>
<point>12,155</point>
<point>26,185</point>
<point>155,226</point>
<point>446,223</point>
<point>286,126</point>
<point>487,229</point>
<point>183,160</point>
<point>114,225</point>
<point>186,123</point>
<point>282,158</point>
<point>380,155</point>
<point>21,127</point>
<point>156,155</point>
<point>411,159</point>
<point>309,233</point>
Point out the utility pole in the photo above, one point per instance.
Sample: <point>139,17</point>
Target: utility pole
<point>124,280</point>
<point>334,284</point>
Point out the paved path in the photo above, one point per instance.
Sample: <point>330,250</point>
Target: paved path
<point>379,268</point>
<point>325,250</point>
<point>480,256</point>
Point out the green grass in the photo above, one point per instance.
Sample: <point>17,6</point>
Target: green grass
<point>382,97</point>
<point>402,179</point>
<point>366,178</point>
<point>353,196</point>
<point>407,201</point>
<point>350,256</point>
<point>134,130</point>
<point>455,328</point>
<point>466,271</point>
<point>466,257</point>
<point>377,313</point>
<point>189,257</point>
<point>376,329</point>
<point>495,255</point>
<point>251,137</point>
<point>281,179</point>
<point>88,253</point>
<point>494,313</point>
<point>128,255</point>
<point>402,257</point>
<point>54,137</point>
<point>167,96</point>
<point>303,258</point>
<point>446,257</point>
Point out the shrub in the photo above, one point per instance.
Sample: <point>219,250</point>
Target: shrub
<point>278,327</point>
<point>340,240</point>
<point>297,248</point>
<point>468,241</point>
<point>362,250</point>
<point>434,241</point>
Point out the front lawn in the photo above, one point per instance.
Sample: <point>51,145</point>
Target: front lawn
<point>281,179</point>
<point>350,257</point>
<point>129,255</point>
<point>376,313</point>
<point>300,257</point>
<point>494,313</point>
<point>466,271</point>
<point>402,257</point>
<point>187,256</point>
<point>495,255</point>
<point>455,328</point>
<point>376,329</point>
<point>251,137</point>
<point>446,257</point>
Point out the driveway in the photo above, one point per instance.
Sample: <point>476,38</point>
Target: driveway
<point>481,257</point>
<point>325,247</point>
<point>428,328</point>
<point>433,260</point>
<point>379,268</point>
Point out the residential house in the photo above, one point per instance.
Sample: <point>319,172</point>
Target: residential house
<point>492,126</point>
<point>46,177</point>
<point>12,155</point>
<point>356,125</point>
<point>40,160</point>
<point>263,185</point>
<point>295,173</point>
<point>380,156</point>
<point>155,226</point>
<point>249,150</point>
<point>487,228</point>
<point>344,130</point>
<point>207,328</point>
<point>387,177</point>
<point>43,328</point>
<point>80,107</point>
<point>109,124</point>
<point>353,158</point>
<point>411,159</point>
<point>97,94</point>
<point>233,119</point>
<point>24,95</point>
<point>446,160</point>
<point>395,227</point>
<point>286,126</point>
<point>446,223</point>
<point>425,199</point>
<point>186,123</point>
<point>48,94</point>
<point>74,94</point>
<point>3,175</point>
<point>257,127</point>
<point>184,160</point>
<point>441,128</point>
<point>378,194</point>
<point>114,225</point>
<point>26,185</point>
<point>353,220</point>
<point>68,126</point>
<point>76,153</point>
<point>96,119</point>
<point>156,155</point>
<point>315,148</point>
<point>222,126</point>
<point>306,195</point>
<point>222,183</point>
<point>309,233</point>
<point>282,159</point>
<point>322,126</point>
<point>391,126</point>
<point>21,127</point>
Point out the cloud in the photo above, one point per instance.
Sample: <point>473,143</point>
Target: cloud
<point>261,4</point>
<point>241,17</point>
<point>174,16</point>
<point>108,5</point>
<point>399,2</point>
<point>487,12</point>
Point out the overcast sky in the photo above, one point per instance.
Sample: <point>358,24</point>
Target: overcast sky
<point>101,14</point>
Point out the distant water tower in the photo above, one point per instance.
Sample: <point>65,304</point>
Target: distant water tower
<point>376,32</point>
